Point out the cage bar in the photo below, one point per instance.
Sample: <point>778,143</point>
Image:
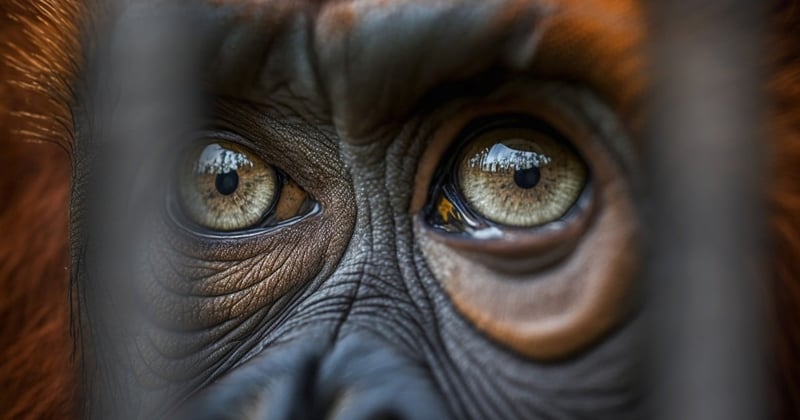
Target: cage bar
<point>703,210</point>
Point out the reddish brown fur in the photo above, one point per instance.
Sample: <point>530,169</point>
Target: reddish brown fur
<point>37,374</point>
<point>784,206</point>
<point>37,369</point>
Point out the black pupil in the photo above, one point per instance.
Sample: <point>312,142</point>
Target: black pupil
<point>527,178</point>
<point>227,182</point>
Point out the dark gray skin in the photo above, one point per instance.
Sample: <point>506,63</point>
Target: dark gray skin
<point>339,314</point>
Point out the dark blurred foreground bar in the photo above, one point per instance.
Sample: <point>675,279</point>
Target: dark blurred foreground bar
<point>703,210</point>
<point>143,97</point>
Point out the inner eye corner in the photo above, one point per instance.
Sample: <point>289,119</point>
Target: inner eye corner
<point>226,189</point>
<point>508,173</point>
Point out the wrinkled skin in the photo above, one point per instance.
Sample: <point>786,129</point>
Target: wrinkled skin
<point>363,309</point>
<point>353,311</point>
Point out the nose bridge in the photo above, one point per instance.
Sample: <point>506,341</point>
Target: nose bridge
<point>379,261</point>
<point>383,298</point>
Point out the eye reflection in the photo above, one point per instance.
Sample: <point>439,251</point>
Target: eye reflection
<point>505,157</point>
<point>214,159</point>
<point>518,173</point>
<point>226,187</point>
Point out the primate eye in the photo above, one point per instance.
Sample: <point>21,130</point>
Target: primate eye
<point>520,176</point>
<point>226,187</point>
<point>513,171</point>
<point>526,218</point>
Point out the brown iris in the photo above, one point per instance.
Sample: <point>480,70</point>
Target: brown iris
<point>519,176</point>
<point>226,187</point>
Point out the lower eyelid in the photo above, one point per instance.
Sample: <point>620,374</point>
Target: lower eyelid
<point>545,292</point>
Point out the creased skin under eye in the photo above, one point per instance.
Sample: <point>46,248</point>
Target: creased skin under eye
<point>546,287</point>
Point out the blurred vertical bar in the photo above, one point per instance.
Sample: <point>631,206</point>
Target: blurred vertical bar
<point>143,97</point>
<point>703,207</point>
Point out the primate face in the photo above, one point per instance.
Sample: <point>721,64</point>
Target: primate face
<point>409,209</point>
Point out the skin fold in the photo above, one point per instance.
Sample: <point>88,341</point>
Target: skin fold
<point>360,307</point>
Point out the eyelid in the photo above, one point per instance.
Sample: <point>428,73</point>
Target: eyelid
<point>543,294</point>
<point>267,154</point>
<point>485,222</point>
<point>286,184</point>
<point>520,251</point>
<point>573,110</point>
<point>208,234</point>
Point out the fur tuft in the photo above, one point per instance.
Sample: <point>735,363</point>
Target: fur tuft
<point>41,49</point>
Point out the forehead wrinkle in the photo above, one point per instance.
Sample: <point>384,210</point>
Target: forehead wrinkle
<point>377,58</point>
<point>362,60</point>
<point>365,62</point>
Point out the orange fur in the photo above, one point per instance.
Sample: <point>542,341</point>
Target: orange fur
<point>39,46</point>
<point>36,378</point>
<point>37,373</point>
